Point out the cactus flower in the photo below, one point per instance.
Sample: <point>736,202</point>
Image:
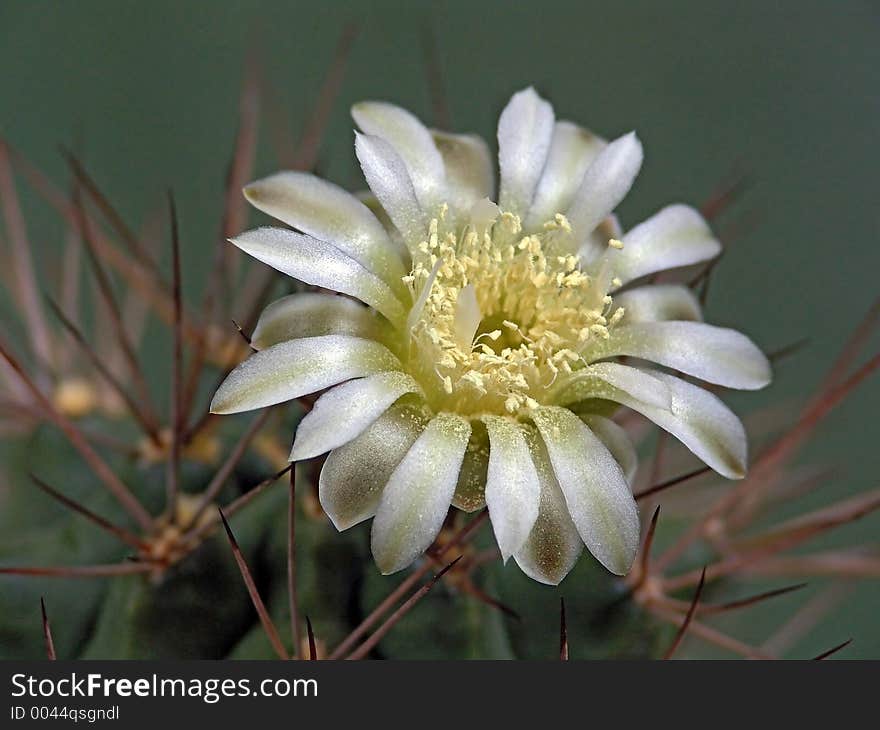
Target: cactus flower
<point>481,341</point>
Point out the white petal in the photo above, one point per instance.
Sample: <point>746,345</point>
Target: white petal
<point>658,303</point>
<point>595,488</point>
<point>676,236</point>
<point>412,141</point>
<point>343,413</point>
<point>632,380</point>
<point>310,314</point>
<point>354,475</point>
<point>525,129</point>
<point>513,492</point>
<point>572,150</point>
<point>368,198</point>
<point>321,264</point>
<point>469,173</point>
<point>467,317</point>
<point>699,420</point>
<point>388,177</point>
<point>295,368</point>
<point>606,182</point>
<point>418,494</point>
<point>326,211</point>
<point>470,492</point>
<point>554,545</point>
<point>714,354</point>
<point>617,442</point>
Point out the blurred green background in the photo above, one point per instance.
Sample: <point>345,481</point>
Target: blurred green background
<point>786,91</point>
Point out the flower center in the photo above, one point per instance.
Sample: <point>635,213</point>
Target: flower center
<point>500,314</point>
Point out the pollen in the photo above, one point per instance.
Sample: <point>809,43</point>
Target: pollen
<point>500,313</point>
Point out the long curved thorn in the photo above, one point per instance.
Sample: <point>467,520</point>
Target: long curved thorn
<point>645,555</point>
<point>104,371</point>
<point>785,537</point>
<point>563,632</point>
<point>80,571</point>
<point>236,505</point>
<point>256,599</point>
<point>674,481</point>
<point>807,617</point>
<point>222,474</point>
<point>464,534</point>
<point>113,483</point>
<point>109,212</point>
<point>22,262</point>
<point>47,632</point>
<point>313,649</point>
<point>750,600</point>
<point>234,219</point>
<point>853,345</point>
<point>135,274</point>
<point>292,592</point>
<point>172,477</point>
<point>105,289</point>
<point>368,645</point>
<point>788,350</point>
<point>682,630</point>
<point>716,637</point>
<point>725,195</point>
<point>833,650</point>
<point>771,457</point>
<point>120,532</point>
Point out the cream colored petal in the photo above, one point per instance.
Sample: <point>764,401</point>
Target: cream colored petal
<point>470,492</point>
<point>326,211</point>
<point>632,380</point>
<point>354,475</point>
<point>714,354</point>
<point>595,488</point>
<point>368,198</point>
<point>572,150</point>
<point>554,545</point>
<point>389,179</point>
<point>513,491</point>
<point>698,419</point>
<point>676,236</point>
<point>658,303</point>
<point>343,413</point>
<point>416,499</point>
<point>412,141</point>
<point>295,368</point>
<point>525,129</point>
<point>310,314</point>
<point>605,183</point>
<point>467,317</point>
<point>617,442</point>
<point>320,264</point>
<point>469,173</point>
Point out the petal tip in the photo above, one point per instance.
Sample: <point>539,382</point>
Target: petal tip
<point>340,524</point>
<point>218,407</point>
<point>304,449</point>
<point>386,566</point>
<point>620,563</point>
<point>529,91</point>
<point>297,453</point>
<point>736,469</point>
